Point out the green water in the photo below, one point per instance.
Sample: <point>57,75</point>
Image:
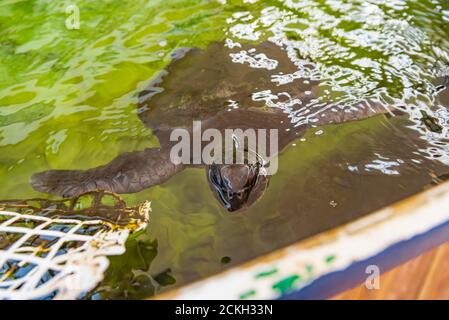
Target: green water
<point>68,101</point>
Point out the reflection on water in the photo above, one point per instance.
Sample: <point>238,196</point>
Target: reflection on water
<point>68,100</point>
<point>128,276</point>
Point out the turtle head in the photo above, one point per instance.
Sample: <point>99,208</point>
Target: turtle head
<point>237,186</point>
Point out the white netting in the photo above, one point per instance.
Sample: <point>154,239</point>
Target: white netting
<point>46,255</point>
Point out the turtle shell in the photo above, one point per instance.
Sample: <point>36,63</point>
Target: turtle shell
<point>200,83</point>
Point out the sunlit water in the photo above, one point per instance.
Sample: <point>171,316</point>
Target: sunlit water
<point>68,101</point>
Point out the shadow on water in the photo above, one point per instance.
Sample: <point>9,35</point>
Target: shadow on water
<point>128,276</point>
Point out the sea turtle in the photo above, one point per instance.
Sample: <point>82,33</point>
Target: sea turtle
<point>226,86</point>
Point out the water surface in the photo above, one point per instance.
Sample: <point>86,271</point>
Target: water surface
<point>68,101</point>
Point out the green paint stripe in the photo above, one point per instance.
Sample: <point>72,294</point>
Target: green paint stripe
<point>330,259</point>
<point>247,294</point>
<point>309,268</point>
<point>267,273</point>
<point>286,284</point>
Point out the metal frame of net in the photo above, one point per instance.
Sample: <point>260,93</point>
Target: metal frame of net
<point>56,249</point>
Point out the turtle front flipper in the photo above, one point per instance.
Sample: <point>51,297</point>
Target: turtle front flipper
<point>128,173</point>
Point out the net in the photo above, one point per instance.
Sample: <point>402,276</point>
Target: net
<point>57,249</point>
